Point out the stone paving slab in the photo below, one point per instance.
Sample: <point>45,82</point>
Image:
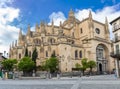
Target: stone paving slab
<point>99,86</point>
<point>65,86</point>
<point>36,82</point>
<point>92,82</point>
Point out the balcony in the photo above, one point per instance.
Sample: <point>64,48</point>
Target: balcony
<point>116,27</point>
<point>116,39</point>
<point>115,54</point>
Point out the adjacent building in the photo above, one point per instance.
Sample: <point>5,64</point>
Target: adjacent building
<point>70,42</point>
<point>116,43</point>
<point>1,59</point>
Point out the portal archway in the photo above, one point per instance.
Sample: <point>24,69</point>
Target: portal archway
<point>102,53</point>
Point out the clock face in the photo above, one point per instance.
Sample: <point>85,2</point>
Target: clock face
<point>97,30</point>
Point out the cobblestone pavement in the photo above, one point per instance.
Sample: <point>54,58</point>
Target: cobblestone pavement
<point>92,82</point>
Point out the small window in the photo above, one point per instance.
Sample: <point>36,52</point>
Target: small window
<point>19,56</point>
<point>76,53</point>
<point>116,37</point>
<point>53,54</point>
<point>80,54</point>
<point>51,41</point>
<point>81,31</point>
<point>97,30</point>
<point>29,53</point>
<point>117,48</point>
<point>66,69</point>
<point>46,53</point>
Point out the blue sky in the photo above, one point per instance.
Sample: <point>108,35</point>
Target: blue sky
<point>33,11</point>
<point>16,14</point>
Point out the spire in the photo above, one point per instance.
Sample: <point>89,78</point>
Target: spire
<point>52,27</point>
<point>42,27</point>
<point>13,44</point>
<point>106,21</point>
<point>16,43</point>
<point>20,34</point>
<point>90,20</point>
<point>10,46</point>
<point>52,23</point>
<point>106,25</point>
<point>36,27</point>
<point>71,13</point>
<point>29,32</point>
<point>90,15</point>
<point>60,27</point>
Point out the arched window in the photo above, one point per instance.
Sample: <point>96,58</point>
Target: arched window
<point>19,56</point>
<point>76,54</point>
<point>46,53</point>
<point>51,40</point>
<point>80,54</point>
<point>100,52</point>
<point>53,54</point>
<point>37,41</point>
<point>73,42</point>
<point>81,31</point>
<point>29,53</point>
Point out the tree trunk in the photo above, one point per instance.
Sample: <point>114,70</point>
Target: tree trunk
<point>83,72</point>
<point>90,71</point>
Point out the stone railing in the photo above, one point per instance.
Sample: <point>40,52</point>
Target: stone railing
<point>115,54</point>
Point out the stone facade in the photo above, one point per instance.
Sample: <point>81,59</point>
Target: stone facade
<point>116,43</point>
<point>70,42</point>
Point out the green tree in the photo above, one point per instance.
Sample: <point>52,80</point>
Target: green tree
<point>26,65</point>
<point>91,65</point>
<point>26,52</point>
<point>84,65</point>
<point>34,55</point>
<point>8,64</point>
<point>77,66</point>
<point>51,64</point>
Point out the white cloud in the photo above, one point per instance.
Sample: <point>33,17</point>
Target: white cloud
<point>57,17</point>
<point>32,28</point>
<point>113,1</point>
<point>111,12</point>
<point>8,33</point>
<point>3,3</point>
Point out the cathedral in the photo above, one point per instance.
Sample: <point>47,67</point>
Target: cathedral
<point>71,41</point>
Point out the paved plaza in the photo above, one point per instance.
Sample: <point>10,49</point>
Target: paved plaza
<point>92,82</point>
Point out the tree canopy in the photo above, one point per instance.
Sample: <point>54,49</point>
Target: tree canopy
<point>8,64</point>
<point>85,64</point>
<point>26,64</point>
<point>51,64</point>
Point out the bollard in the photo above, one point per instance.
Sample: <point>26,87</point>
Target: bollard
<point>58,76</point>
<point>6,75</point>
<point>13,76</point>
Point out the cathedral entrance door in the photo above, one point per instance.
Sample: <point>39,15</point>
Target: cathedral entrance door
<point>100,68</point>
